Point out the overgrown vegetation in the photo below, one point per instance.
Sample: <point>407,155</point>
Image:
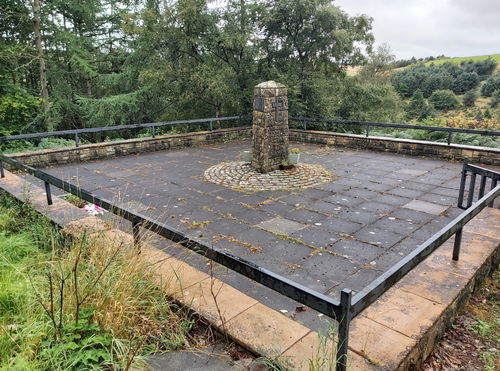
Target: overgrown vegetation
<point>472,342</point>
<point>81,304</point>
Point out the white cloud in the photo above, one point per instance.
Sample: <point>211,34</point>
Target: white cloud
<point>422,28</point>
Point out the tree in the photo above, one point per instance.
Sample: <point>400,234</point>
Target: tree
<point>439,80</point>
<point>418,107</point>
<point>41,61</point>
<point>464,82</point>
<point>469,98</point>
<point>306,40</point>
<point>495,99</point>
<point>443,100</point>
<point>490,85</point>
<point>379,61</point>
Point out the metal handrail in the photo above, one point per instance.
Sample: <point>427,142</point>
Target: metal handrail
<point>153,125</point>
<point>474,171</point>
<point>369,124</point>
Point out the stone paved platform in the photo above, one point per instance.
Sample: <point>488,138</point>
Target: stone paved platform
<point>396,332</point>
<point>339,234</point>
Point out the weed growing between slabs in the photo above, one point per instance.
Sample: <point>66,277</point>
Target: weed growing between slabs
<point>78,304</point>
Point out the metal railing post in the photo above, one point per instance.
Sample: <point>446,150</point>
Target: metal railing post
<point>153,132</point>
<point>76,140</point>
<point>48,193</point>
<point>482,186</point>
<point>2,172</point>
<point>494,183</point>
<point>457,244</point>
<point>211,125</point>
<point>462,184</point>
<point>367,130</point>
<point>449,137</point>
<point>472,185</point>
<point>342,342</point>
<point>304,124</point>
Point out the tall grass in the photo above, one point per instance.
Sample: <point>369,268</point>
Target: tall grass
<point>80,303</point>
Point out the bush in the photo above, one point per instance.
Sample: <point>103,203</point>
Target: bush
<point>495,99</point>
<point>490,85</point>
<point>469,98</point>
<point>464,82</point>
<point>17,109</point>
<point>418,107</point>
<point>444,100</point>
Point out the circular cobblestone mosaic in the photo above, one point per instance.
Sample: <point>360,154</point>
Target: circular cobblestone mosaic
<point>240,175</point>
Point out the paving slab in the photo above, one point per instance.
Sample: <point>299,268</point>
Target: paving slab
<point>426,207</point>
<point>281,225</point>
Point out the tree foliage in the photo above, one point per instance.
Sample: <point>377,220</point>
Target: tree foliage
<point>443,100</point>
<point>110,62</point>
<point>469,98</point>
<point>418,108</point>
<point>490,85</point>
<point>447,76</point>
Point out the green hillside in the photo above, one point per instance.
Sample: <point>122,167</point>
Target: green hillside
<point>458,60</point>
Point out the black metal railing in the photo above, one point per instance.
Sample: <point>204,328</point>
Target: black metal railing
<point>75,133</point>
<point>342,311</point>
<point>368,124</point>
<point>471,172</point>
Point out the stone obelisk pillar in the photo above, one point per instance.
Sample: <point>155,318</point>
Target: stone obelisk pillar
<point>270,126</point>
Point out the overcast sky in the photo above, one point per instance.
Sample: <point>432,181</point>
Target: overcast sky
<point>421,28</point>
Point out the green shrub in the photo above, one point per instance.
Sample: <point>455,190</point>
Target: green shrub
<point>490,85</point>
<point>443,100</point>
<point>469,98</point>
<point>17,109</point>
<point>495,98</point>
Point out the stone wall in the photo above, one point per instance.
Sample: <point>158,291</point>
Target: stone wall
<point>133,146</point>
<point>128,147</point>
<point>490,156</point>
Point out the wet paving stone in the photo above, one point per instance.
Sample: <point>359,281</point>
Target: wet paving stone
<point>304,216</point>
<point>379,237</point>
<point>340,226</point>
<point>356,251</point>
<point>426,207</point>
<point>316,237</point>
<point>281,225</point>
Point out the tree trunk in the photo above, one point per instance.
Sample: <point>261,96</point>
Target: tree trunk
<point>43,72</point>
<point>218,108</point>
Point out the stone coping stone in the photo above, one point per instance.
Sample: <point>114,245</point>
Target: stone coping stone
<point>397,332</point>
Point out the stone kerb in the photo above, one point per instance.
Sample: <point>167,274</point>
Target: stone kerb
<point>270,126</point>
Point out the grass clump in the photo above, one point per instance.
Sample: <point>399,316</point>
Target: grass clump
<point>83,303</point>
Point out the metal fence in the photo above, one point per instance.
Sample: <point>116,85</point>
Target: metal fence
<point>75,133</point>
<point>342,311</point>
<point>367,125</point>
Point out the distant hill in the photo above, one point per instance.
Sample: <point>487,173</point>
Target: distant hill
<point>458,60</point>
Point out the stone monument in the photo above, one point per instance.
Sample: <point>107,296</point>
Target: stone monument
<point>270,126</point>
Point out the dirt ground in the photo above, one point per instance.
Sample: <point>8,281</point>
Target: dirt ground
<point>473,342</point>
